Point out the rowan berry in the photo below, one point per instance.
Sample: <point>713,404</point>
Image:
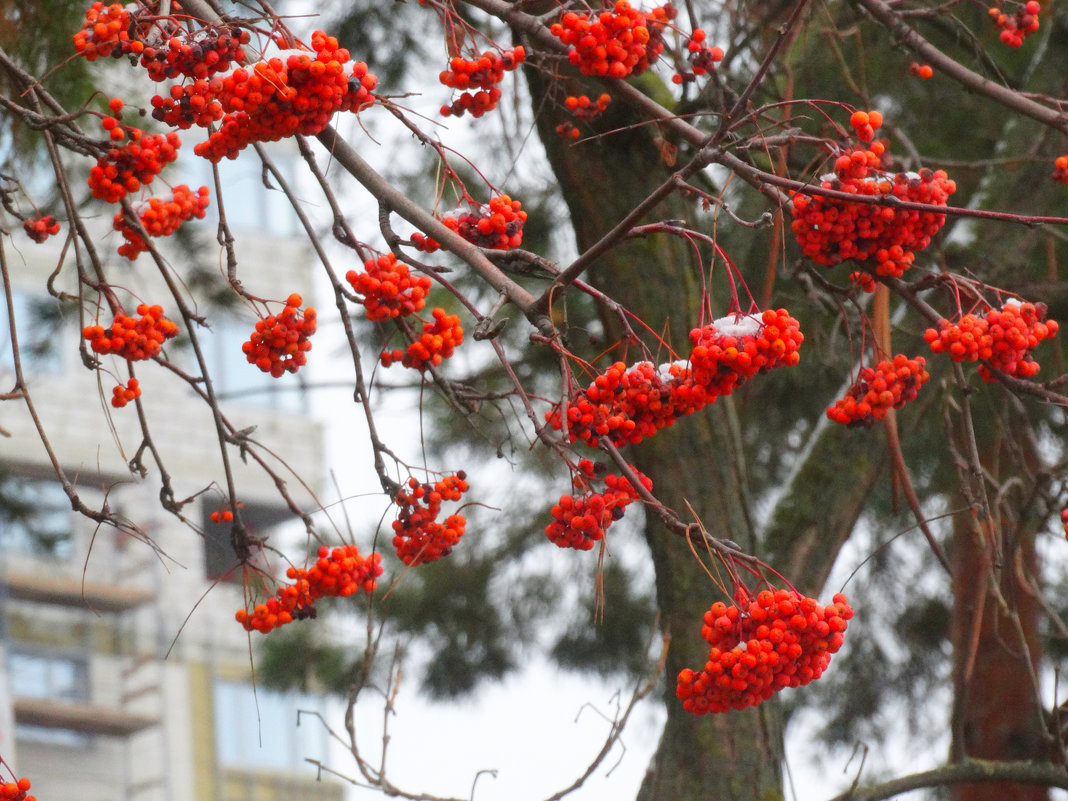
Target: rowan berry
<point>499,225</point>
<point>629,404</point>
<point>1002,339</point>
<point>1064,520</point>
<point>757,647</point>
<point>16,791</point>
<point>418,536</point>
<point>126,169</point>
<point>388,288</point>
<point>481,74</point>
<point>703,58</point>
<point>889,385</point>
<point>1017,26</point>
<point>830,231</point>
<point>616,43</point>
<point>1060,169</point>
<point>338,572</point>
<point>40,228</point>
<point>436,343</point>
<point>923,71</point>
<point>160,217</point>
<point>130,338</point>
<point>105,32</point>
<point>295,92</point>
<point>121,395</point>
<point>583,516</point>
<point>280,342</point>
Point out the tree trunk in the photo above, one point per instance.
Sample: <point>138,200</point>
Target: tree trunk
<point>996,713</point>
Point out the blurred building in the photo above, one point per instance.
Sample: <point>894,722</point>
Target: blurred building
<point>123,674</point>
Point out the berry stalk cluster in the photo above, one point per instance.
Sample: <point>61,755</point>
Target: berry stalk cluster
<point>1003,339</point>
<point>280,342</point>
<point>628,404</point>
<point>417,535</point>
<point>889,385</point>
<point>338,572</point>
<point>134,339</point>
<point>582,517</point>
<point>756,648</point>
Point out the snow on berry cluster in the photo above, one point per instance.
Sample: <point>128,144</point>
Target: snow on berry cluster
<point>830,231</point>
<point>40,228</point>
<point>438,340</point>
<point>1003,338</point>
<point>582,517</point>
<point>756,648</point>
<point>1017,26</point>
<point>161,217</point>
<point>16,791</point>
<point>417,535</point>
<point>388,288</point>
<point>338,572</point>
<point>121,395</point>
<point>280,342</point>
<point>134,339</point>
<point>617,42</point>
<point>628,404</point>
<point>889,385</point>
<point>481,74</point>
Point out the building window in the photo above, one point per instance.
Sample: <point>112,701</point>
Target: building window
<point>56,677</point>
<point>35,518</point>
<point>258,728</point>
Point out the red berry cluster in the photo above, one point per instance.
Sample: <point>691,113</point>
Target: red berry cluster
<point>889,385</point>
<point>780,639</point>
<point>702,58</point>
<point>295,93</point>
<point>16,791</point>
<point>581,518</point>
<point>585,109</point>
<point>481,74</point>
<point>829,230</point>
<point>498,226</point>
<point>1064,520</point>
<point>437,343</point>
<point>388,288</point>
<point>1018,26</point>
<point>417,535</point>
<point>127,168</point>
<point>865,124</point>
<point>615,43</point>
<point>106,32</point>
<point>225,515</point>
<point>339,572</point>
<point>1003,339</point>
<point>40,228</point>
<point>134,339</point>
<point>628,404</point>
<point>161,217</point>
<point>200,53</point>
<point>121,395</point>
<point>918,70</point>
<point>279,343</point>
<point>1060,169</point>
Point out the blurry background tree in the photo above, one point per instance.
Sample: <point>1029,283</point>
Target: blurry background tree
<point>678,194</point>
